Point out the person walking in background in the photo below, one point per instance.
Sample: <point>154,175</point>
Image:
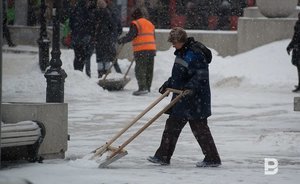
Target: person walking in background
<point>116,15</point>
<point>10,12</point>
<point>33,12</point>
<point>92,8</point>
<point>82,30</point>
<point>108,28</point>
<point>141,33</point>
<point>6,33</point>
<point>294,46</point>
<point>224,15</point>
<point>196,14</point>
<point>189,73</point>
<point>162,13</point>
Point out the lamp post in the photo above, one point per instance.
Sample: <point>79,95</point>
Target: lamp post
<point>55,75</point>
<point>43,41</point>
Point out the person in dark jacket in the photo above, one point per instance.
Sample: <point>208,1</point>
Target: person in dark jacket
<point>142,35</point>
<point>116,15</point>
<point>189,73</point>
<point>224,15</point>
<point>196,14</point>
<point>6,33</point>
<point>108,29</point>
<point>82,26</point>
<point>295,46</point>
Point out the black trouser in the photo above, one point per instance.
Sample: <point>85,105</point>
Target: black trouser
<point>201,132</point>
<point>298,69</point>
<point>144,71</point>
<point>6,34</point>
<point>82,57</point>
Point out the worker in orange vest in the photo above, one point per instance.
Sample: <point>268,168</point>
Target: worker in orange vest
<point>141,33</point>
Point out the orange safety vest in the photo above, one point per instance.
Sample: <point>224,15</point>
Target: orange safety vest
<point>145,39</point>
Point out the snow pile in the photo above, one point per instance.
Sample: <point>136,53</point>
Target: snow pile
<point>260,67</point>
<point>264,66</point>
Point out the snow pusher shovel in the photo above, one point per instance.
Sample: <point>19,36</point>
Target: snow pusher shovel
<point>114,84</point>
<point>117,153</point>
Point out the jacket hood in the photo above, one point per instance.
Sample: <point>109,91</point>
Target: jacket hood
<point>197,47</point>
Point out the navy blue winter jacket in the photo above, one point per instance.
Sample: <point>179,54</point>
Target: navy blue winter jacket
<point>190,71</point>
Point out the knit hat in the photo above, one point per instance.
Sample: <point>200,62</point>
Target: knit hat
<point>177,34</point>
<point>139,12</point>
<point>101,4</point>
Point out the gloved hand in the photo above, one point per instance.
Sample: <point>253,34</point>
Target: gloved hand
<point>163,88</point>
<point>288,49</point>
<point>188,92</point>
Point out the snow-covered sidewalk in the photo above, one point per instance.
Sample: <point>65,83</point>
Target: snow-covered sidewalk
<point>252,119</point>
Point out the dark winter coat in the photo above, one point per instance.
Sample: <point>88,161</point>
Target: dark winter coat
<point>81,24</point>
<point>295,45</point>
<point>108,29</point>
<point>190,71</point>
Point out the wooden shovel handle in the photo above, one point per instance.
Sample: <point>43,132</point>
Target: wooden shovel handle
<point>97,151</point>
<point>115,60</point>
<point>152,120</point>
<point>128,69</point>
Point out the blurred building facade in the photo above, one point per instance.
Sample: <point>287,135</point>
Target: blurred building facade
<point>191,14</point>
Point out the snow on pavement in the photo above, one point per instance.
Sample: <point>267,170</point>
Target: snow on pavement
<point>252,119</point>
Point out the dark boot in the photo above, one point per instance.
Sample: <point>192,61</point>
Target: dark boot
<point>140,92</point>
<point>297,89</point>
<point>157,160</point>
<point>208,164</point>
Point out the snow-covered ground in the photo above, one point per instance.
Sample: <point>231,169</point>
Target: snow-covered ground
<point>252,119</point>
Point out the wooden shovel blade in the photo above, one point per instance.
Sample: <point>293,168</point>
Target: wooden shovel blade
<point>110,160</point>
<point>99,152</point>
